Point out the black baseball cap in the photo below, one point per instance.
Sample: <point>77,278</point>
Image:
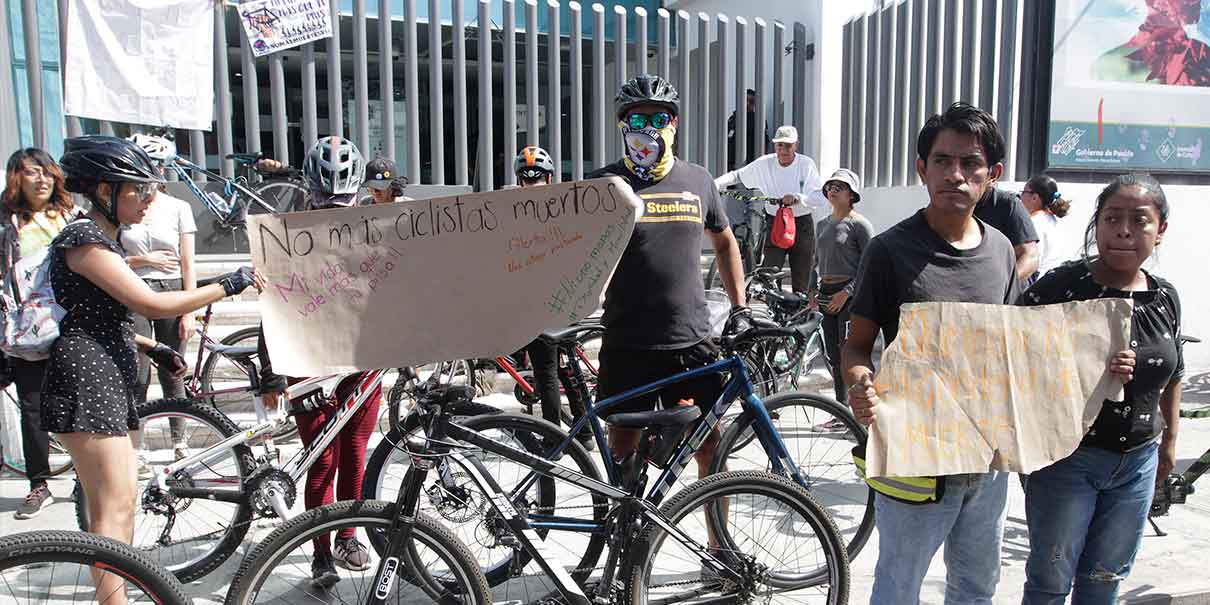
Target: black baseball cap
<point>380,173</point>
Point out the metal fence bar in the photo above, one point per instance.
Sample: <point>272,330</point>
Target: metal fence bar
<point>663,56</point>
<point>991,99</point>
<point>460,157</point>
<point>846,110</point>
<point>800,92</point>
<point>251,90</point>
<point>411,89</point>
<point>277,102</point>
<point>937,57</point>
<point>1010,116</point>
<point>222,123</point>
<point>877,75</point>
<point>640,40</point>
<point>74,128</point>
<point>310,97</point>
<point>386,80</point>
<point>436,95</point>
<point>600,124</point>
<point>510,88</point>
<point>890,38</point>
<point>335,87</point>
<point>33,71</point>
<point>486,158</point>
<point>975,52</point>
<point>107,128</point>
<point>619,46</point>
<point>741,95</point>
<point>531,72</point>
<point>684,135</point>
<point>575,71</point>
<point>702,114</point>
<point>722,23</point>
<point>361,78</point>
<point>954,59</point>
<point>759,79</point>
<point>919,83</point>
<point>554,88</point>
<point>779,76</point>
<point>197,153</point>
<point>869,117</point>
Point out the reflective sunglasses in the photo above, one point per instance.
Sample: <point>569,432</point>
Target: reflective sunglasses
<point>835,186</point>
<point>146,190</point>
<point>658,120</point>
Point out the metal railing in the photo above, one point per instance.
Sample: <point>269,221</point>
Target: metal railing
<point>570,76</point>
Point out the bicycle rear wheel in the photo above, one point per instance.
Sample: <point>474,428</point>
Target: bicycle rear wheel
<point>769,530</point>
<point>221,374</point>
<point>819,434</point>
<point>435,568</point>
<point>284,196</point>
<point>58,567</point>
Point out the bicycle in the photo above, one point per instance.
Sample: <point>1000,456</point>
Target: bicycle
<point>753,438</point>
<point>195,511</point>
<point>1177,486</point>
<point>60,459</point>
<point>57,567</point>
<point>732,565</point>
<point>796,358</point>
<point>284,188</point>
<point>750,233</point>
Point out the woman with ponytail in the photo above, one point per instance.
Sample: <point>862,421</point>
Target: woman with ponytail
<point>1046,206</point>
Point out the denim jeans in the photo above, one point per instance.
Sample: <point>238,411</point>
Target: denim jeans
<point>1086,515</point>
<point>969,520</point>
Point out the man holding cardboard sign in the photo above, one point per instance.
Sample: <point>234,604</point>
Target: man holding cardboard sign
<point>942,253</point>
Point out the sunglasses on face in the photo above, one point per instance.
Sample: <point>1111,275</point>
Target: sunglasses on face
<point>837,187</point>
<point>145,190</point>
<point>658,120</point>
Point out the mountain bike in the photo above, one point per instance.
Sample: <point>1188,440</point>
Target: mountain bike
<point>784,434</point>
<point>1177,486</point>
<point>283,189</point>
<point>58,566</point>
<point>800,357</point>
<point>689,549</point>
<point>750,231</point>
<point>194,512</point>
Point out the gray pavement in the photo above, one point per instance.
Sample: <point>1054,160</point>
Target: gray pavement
<point>1169,569</point>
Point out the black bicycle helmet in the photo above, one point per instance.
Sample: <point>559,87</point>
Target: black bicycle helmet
<point>646,89</point>
<point>93,159</point>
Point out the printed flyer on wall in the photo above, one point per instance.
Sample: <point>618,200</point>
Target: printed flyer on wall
<point>1131,85</point>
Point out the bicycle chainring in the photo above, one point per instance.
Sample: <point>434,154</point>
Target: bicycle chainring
<point>259,484</point>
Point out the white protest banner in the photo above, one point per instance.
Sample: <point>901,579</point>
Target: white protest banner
<point>449,278</point>
<point>967,388</point>
<point>140,61</point>
<point>273,25</point>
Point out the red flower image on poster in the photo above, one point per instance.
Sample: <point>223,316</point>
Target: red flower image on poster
<point>1171,56</point>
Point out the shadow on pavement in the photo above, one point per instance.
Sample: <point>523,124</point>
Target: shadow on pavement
<point>1196,388</point>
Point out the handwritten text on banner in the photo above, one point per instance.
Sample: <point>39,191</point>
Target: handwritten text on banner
<point>273,25</point>
<point>966,387</point>
<point>420,281</point>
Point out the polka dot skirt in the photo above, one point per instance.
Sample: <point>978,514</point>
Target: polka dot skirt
<point>90,380</point>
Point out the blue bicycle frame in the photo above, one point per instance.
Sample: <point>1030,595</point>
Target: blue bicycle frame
<point>739,385</point>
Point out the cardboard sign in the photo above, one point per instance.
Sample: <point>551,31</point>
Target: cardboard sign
<point>419,281</point>
<point>968,388</point>
<point>273,25</point>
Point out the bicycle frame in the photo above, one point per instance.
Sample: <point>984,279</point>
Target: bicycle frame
<point>225,215</point>
<point>739,385</point>
<point>296,467</point>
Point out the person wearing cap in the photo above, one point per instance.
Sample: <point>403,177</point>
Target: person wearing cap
<point>842,238</point>
<point>384,181</point>
<point>792,177</point>
<point>656,320</point>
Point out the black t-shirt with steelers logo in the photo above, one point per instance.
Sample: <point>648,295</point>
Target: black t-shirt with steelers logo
<point>1155,338</point>
<point>656,300</point>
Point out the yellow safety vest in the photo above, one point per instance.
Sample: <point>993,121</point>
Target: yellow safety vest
<point>912,490</point>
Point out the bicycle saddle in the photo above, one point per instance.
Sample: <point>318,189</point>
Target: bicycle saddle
<point>662,430</point>
<point>234,352</point>
<point>568,335</point>
<point>771,273</point>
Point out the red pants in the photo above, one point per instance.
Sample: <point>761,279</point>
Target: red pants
<point>346,453</point>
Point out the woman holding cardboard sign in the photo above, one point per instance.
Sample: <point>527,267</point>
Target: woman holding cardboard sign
<point>1086,513</point>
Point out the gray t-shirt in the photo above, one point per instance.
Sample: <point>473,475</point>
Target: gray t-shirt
<point>911,263</point>
<point>839,244</point>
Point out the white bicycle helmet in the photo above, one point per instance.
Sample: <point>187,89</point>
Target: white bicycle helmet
<point>158,148</point>
<point>533,163</point>
<point>334,166</point>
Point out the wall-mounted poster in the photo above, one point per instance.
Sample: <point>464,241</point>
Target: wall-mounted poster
<point>274,25</point>
<point>1131,85</point>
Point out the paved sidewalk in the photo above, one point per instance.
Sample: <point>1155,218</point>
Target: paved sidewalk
<point>1169,569</point>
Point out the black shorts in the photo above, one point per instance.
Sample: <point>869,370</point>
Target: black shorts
<point>624,369</point>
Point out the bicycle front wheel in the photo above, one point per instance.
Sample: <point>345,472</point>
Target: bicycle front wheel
<point>283,196</point>
<point>770,531</point>
<point>819,434</point>
<point>58,567</point>
<point>434,568</point>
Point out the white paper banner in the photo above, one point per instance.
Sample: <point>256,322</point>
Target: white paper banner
<point>141,62</point>
<point>274,25</point>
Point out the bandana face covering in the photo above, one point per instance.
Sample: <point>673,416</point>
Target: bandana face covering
<point>648,150</point>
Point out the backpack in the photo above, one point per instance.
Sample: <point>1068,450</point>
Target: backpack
<point>29,315</point>
<point>784,231</point>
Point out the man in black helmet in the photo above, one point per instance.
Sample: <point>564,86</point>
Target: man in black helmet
<point>656,319</point>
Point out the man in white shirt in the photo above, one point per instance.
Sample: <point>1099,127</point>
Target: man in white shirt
<point>793,177</point>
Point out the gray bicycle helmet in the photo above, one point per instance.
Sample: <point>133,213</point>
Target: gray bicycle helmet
<point>92,159</point>
<point>533,163</point>
<point>646,89</point>
<point>334,166</point>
